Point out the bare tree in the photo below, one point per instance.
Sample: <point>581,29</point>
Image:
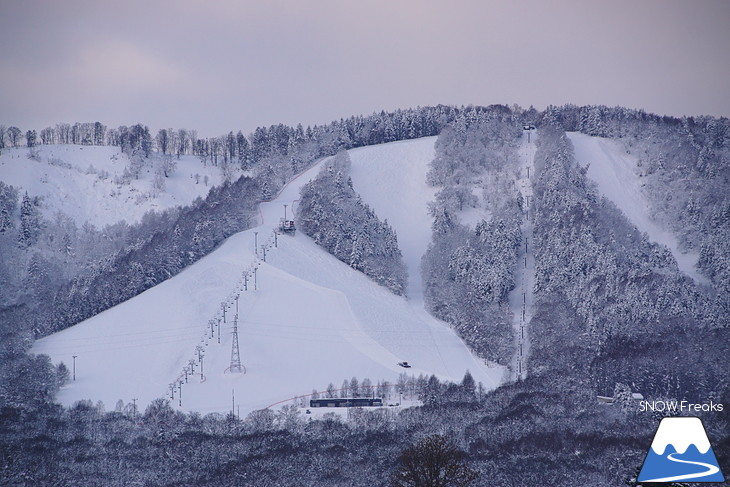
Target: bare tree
<point>64,133</point>
<point>183,142</point>
<point>14,135</point>
<point>48,136</point>
<point>173,141</point>
<point>163,140</point>
<point>193,140</point>
<point>433,462</point>
<point>31,137</point>
<point>168,165</point>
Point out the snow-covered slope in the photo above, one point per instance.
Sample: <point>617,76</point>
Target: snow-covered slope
<point>83,182</point>
<point>312,320</point>
<point>391,178</point>
<point>615,173</point>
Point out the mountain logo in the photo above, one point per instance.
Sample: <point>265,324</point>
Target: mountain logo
<point>680,451</point>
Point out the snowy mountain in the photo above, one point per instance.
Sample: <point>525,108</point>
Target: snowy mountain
<point>92,183</point>
<point>305,319</point>
<point>536,263</point>
<point>308,311</point>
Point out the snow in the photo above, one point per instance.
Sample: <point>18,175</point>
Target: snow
<point>79,181</point>
<point>521,298</point>
<point>312,320</point>
<point>615,172</point>
<point>391,178</point>
<point>471,217</point>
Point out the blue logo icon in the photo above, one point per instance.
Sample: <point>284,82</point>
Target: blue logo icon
<point>681,451</point>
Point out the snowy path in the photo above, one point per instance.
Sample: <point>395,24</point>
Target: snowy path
<point>521,297</point>
<point>305,319</point>
<point>614,172</point>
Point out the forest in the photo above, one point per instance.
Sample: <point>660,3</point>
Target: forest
<point>334,215</point>
<point>469,271</point>
<point>613,313</point>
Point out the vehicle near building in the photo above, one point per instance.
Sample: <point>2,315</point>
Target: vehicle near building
<point>345,402</point>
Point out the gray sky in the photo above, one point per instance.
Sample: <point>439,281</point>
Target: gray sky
<point>217,66</point>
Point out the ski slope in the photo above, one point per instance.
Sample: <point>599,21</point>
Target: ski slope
<point>83,182</point>
<point>391,178</point>
<point>310,321</point>
<point>614,171</point>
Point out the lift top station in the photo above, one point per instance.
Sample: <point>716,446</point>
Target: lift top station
<point>286,225</point>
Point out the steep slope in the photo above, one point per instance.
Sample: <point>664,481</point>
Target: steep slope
<point>615,173</point>
<point>310,320</point>
<point>87,184</point>
<point>391,178</point>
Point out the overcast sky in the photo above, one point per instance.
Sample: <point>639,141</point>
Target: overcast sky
<point>229,65</point>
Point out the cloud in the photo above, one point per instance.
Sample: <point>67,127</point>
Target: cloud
<point>121,65</point>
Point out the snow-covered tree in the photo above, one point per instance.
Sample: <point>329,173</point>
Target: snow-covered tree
<point>30,221</point>
<point>468,385</point>
<point>8,205</point>
<point>337,219</point>
<point>31,138</point>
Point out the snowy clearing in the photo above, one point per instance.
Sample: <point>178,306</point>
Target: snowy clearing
<point>312,320</point>
<point>615,173</point>
<point>82,182</point>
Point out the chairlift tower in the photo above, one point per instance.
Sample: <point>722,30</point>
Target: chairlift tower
<point>235,351</point>
<point>286,225</point>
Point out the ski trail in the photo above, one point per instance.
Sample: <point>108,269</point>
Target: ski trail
<point>400,196</point>
<point>712,469</point>
<point>615,174</point>
<point>521,297</point>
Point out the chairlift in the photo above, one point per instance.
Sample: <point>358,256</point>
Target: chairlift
<point>287,226</point>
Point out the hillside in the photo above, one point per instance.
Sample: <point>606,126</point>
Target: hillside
<point>616,174</point>
<point>312,320</point>
<point>608,313</point>
<point>392,179</point>
<point>89,184</point>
